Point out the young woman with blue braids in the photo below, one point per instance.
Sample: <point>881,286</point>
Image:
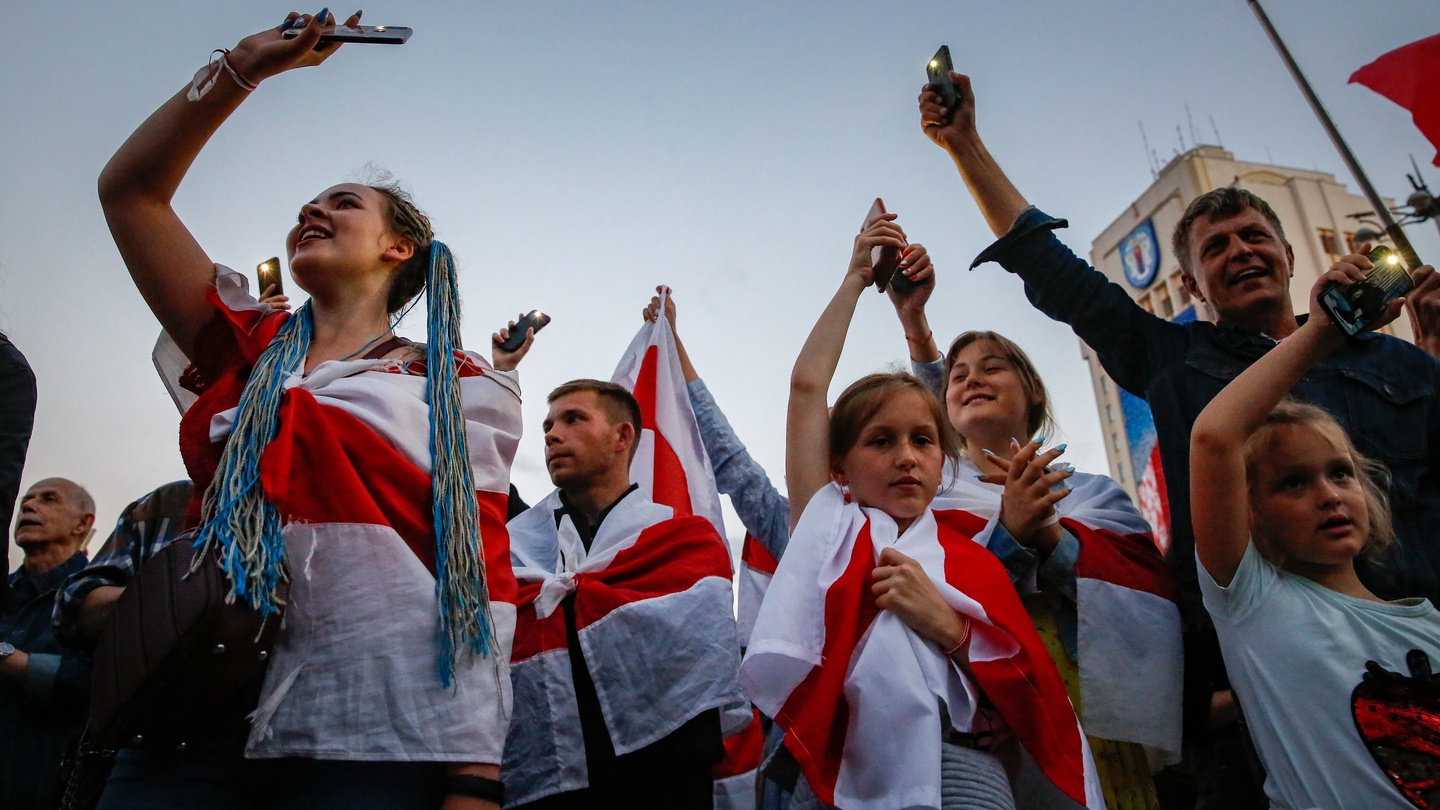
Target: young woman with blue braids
<point>369,472</point>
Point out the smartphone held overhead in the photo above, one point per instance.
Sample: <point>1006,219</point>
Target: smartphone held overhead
<point>373,34</point>
<point>885,260</point>
<point>938,74</point>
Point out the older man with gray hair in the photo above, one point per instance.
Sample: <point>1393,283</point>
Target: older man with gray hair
<point>44,687</point>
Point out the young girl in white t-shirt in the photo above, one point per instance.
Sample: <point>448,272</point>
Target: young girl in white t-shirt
<point>1282,505</point>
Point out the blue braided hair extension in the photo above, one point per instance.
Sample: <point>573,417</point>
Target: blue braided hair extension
<point>460,586</point>
<point>237,517</point>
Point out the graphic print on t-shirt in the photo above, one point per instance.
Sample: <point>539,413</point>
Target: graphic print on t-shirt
<point>1398,717</point>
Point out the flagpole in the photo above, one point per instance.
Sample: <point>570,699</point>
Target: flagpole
<point>1392,228</point>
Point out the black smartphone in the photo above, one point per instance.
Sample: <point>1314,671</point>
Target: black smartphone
<point>374,34</point>
<point>535,320</point>
<point>938,72</point>
<point>267,273</point>
<point>1356,307</point>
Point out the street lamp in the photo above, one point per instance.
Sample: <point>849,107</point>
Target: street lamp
<point>1419,206</point>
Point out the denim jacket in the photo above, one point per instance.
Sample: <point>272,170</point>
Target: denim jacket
<point>1380,389</point>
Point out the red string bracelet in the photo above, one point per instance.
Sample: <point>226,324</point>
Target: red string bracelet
<point>927,337</point>
<point>964,637</point>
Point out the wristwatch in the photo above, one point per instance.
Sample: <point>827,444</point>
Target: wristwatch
<point>6,650</point>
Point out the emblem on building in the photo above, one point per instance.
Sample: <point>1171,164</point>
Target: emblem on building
<point>1140,253</point>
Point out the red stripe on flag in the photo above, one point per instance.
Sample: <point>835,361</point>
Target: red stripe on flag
<point>743,750</point>
<point>1025,687</point>
<point>669,557</point>
<point>1131,560</point>
<point>816,714</point>
<point>670,486</point>
<point>756,557</point>
<point>534,635</point>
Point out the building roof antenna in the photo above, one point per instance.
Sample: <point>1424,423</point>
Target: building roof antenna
<point>1149,153</point>
<point>1190,120</point>
<point>1216,130</point>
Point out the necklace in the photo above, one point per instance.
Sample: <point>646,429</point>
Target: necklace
<point>357,351</point>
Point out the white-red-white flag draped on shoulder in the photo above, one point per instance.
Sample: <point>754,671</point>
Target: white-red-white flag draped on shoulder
<point>652,605</point>
<point>857,691</point>
<point>1128,628</point>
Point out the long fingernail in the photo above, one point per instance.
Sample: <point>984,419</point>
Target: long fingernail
<point>324,12</point>
<point>979,475</point>
<point>1039,439</point>
<point>1060,448</point>
<point>1014,441</point>
<point>358,13</point>
<point>1070,468</point>
<point>986,452</point>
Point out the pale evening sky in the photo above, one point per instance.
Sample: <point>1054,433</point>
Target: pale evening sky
<point>574,155</point>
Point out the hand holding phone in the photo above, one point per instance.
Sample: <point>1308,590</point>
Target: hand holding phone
<point>885,260</point>
<point>535,320</point>
<point>1356,308</point>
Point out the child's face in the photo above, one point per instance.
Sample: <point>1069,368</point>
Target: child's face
<point>895,466</point>
<point>1307,502</point>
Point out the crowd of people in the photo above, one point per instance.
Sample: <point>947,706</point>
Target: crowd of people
<point>957,618</point>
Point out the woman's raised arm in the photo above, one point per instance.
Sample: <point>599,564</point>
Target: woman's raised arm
<point>807,425</point>
<point>170,268</point>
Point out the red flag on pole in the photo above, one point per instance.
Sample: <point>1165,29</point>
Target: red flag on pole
<point>1410,77</point>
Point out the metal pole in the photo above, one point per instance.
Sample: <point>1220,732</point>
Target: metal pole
<point>1392,228</point>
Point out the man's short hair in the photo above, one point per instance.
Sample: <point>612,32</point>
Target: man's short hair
<point>1221,203</point>
<point>76,494</point>
<point>618,403</point>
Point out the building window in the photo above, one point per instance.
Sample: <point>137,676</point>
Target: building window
<point>1104,384</point>
<point>1109,412</point>
<point>1145,302</point>
<point>1329,244</point>
<point>1115,441</point>
<point>1167,309</point>
<point>1120,472</point>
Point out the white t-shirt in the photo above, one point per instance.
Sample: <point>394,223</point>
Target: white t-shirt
<point>1296,651</point>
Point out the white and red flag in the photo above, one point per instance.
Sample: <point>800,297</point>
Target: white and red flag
<point>757,568</point>
<point>671,462</point>
<point>1128,625</point>
<point>349,469</point>
<point>653,613</point>
<point>859,694</point>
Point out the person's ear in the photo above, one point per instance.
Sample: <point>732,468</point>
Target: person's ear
<point>1192,286</point>
<point>625,437</point>
<point>83,528</point>
<point>837,474</point>
<point>399,251</point>
<point>1290,258</point>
